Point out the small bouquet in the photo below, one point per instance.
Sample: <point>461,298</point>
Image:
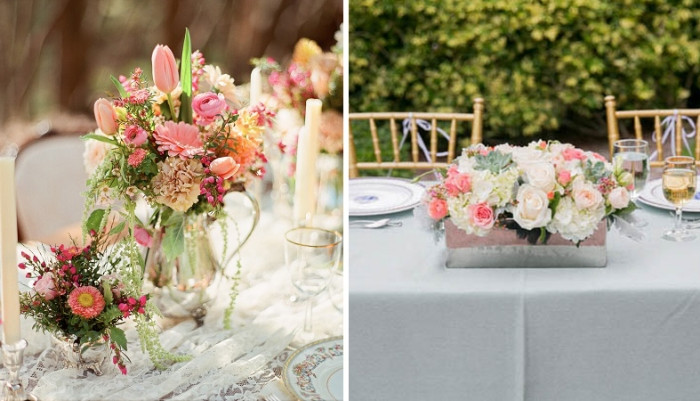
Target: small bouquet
<point>539,189</point>
<point>315,74</point>
<point>83,294</point>
<point>180,143</point>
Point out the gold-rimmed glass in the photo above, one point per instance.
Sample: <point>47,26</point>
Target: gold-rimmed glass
<point>679,182</point>
<point>311,255</point>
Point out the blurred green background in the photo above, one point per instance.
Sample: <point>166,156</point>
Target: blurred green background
<point>57,55</point>
<point>543,67</point>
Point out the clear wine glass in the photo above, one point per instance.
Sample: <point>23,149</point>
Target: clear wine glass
<point>679,181</point>
<point>335,288</point>
<point>311,255</point>
<point>633,154</point>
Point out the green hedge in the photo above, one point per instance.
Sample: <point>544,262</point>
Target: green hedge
<point>543,67</point>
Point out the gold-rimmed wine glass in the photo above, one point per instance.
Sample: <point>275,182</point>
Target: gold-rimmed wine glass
<point>679,182</point>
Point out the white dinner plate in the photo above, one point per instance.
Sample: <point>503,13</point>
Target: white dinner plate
<point>653,195</point>
<point>315,371</point>
<point>374,196</point>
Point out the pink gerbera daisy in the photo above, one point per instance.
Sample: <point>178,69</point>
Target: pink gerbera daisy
<point>179,139</point>
<point>86,302</point>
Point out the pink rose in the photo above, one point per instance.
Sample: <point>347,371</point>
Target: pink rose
<point>619,198</point>
<point>143,237</point>
<point>165,73</point>
<point>573,153</point>
<point>106,116</point>
<point>135,135</point>
<point>224,167</point>
<point>482,215</point>
<point>437,208</point>
<point>46,287</point>
<point>208,105</point>
<point>564,177</point>
<point>456,182</point>
<point>586,196</point>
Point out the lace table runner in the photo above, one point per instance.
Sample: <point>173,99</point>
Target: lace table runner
<point>226,364</point>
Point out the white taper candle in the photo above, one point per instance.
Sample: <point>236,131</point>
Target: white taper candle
<point>306,189</point>
<point>8,252</point>
<point>255,86</point>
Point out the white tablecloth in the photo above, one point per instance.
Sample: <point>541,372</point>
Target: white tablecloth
<point>227,364</point>
<point>419,331</point>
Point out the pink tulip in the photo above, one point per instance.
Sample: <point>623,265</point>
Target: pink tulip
<point>143,237</point>
<point>106,116</point>
<point>224,167</point>
<point>165,73</point>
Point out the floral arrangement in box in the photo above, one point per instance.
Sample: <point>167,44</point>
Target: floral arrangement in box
<point>82,294</point>
<point>312,73</point>
<point>539,189</point>
<point>181,145</point>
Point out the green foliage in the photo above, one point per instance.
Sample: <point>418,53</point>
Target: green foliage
<point>542,67</point>
<point>174,238</point>
<point>186,78</point>
<point>595,171</point>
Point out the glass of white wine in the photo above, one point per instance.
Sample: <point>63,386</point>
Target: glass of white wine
<point>633,155</point>
<point>679,181</point>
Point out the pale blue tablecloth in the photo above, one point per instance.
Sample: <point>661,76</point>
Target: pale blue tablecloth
<point>418,331</point>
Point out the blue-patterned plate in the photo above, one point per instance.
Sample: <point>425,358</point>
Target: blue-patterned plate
<point>315,371</point>
<point>375,196</point>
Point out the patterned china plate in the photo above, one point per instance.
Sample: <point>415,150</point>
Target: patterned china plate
<point>315,371</point>
<point>653,195</point>
<point>374,196</point>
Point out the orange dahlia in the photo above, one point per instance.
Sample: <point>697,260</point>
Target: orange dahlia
<point>86,302</point>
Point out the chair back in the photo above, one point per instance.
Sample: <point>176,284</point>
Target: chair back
<point>410,124</point>
<point>50,181</point>
<point>671,130</point>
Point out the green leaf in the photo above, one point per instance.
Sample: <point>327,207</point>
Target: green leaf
<point>117,335</point>
<point>120,87</point>
<point>100,138</point>
<point>118,228</point>
<point>94,222</point>
<point>174,238</point>
<point>186,80</point>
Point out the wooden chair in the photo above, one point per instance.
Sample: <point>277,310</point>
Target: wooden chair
<point>413,121</point>
<point>613,116</point>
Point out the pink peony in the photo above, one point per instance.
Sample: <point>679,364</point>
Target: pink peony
<point>165,73</point>
<point>178,139</point>
<point>208,106</point>
<point>456,182</point>
<point>46,287</point>
<point>224,167</point>
<point>143,237</point>
<point>482,215</point>
<point>135,135</point>
<point>136,157</point>
<point>86,302</point>
<point>437,208</point>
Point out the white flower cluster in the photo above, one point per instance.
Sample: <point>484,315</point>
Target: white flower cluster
<point>551,186</point>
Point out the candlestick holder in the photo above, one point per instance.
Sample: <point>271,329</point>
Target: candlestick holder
<point>13,358</point>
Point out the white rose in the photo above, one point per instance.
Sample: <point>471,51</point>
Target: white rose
<point>619,198</point>
<point>529,155</point>
<point>586,195</point>
<point>533,207</point>
<point>540,175</point>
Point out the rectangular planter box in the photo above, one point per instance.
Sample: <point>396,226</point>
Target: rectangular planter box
<point>502,248</point>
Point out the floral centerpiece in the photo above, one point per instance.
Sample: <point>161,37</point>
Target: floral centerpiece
<point>541,189</point>
<point>181,145</point>
<point>311,74</point>
<point>82,295</point>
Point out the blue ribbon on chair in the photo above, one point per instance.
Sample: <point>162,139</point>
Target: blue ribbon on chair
<point>426,126</point>
<point>670,131</point>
